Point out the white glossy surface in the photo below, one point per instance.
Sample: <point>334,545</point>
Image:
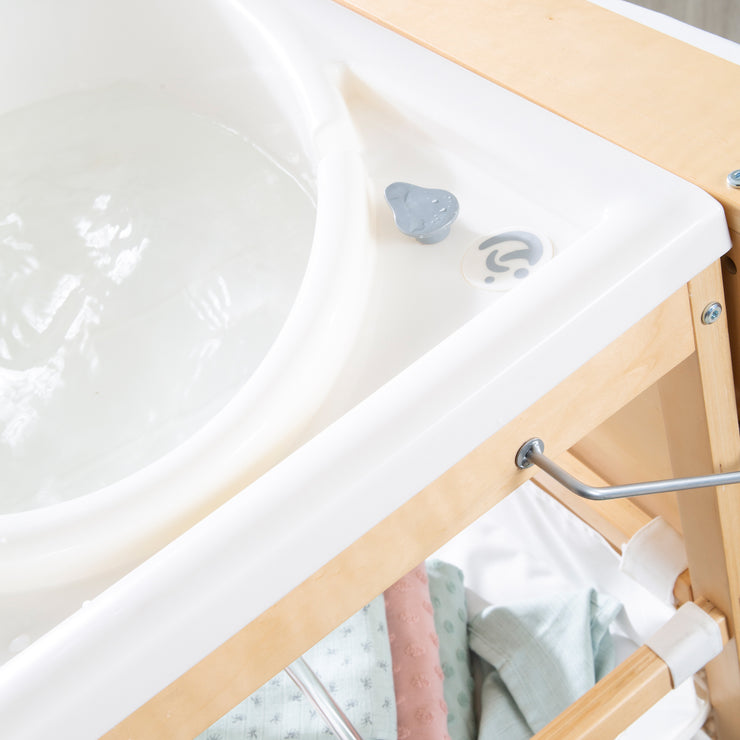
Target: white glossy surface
<point>151,257</point>
<point>437,367</point>
<point>126,367</point>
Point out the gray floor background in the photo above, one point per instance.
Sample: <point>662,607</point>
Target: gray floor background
<point>721,17</point>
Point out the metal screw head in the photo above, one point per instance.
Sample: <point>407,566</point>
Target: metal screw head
<point>711,313</point>
<point>531,445</point>
<point>733,179</point>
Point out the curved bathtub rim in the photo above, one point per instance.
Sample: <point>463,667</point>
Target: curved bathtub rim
<point>120,524</point>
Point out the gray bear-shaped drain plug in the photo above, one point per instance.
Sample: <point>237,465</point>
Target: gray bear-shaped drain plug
<point>424,213</point>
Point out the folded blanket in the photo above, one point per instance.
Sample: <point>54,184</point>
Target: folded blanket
<point>353,663</point>
<point>417,673</point>
<point>447,592</point>
<point>537,658</point>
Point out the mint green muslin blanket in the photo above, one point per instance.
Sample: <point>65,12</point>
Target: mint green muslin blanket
<point>537,658</point>
<point>353,663</point>
<point>447,592</point>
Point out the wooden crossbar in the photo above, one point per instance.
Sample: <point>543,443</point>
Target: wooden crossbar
<point>621,697</point>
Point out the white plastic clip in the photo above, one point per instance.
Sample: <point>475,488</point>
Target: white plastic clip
<point>687,642</point>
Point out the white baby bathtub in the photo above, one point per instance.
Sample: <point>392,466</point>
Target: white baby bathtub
<point>423,366</point>
<point>218,60</point>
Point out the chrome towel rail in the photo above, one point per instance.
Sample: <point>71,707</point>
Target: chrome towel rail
<point>531,453</point>
<point>316,693</point>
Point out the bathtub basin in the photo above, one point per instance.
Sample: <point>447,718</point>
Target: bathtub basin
<point>153,329</point>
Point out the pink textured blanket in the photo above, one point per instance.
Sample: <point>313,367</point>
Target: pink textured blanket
<point>417,673</point>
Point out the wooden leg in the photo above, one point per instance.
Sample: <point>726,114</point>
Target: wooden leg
<point>731,282</point>
<point>702,430</point>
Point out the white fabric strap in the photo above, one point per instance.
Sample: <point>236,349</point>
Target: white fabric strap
<point>687,642</point>
<point>655,556</point>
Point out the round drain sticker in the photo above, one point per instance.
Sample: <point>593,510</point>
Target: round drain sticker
<point>504,259</point>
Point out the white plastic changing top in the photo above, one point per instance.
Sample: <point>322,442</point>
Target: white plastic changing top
<point>408,405</point>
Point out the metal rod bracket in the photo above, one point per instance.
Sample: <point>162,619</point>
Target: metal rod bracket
<point>532,453</point>
<point>522,456</point>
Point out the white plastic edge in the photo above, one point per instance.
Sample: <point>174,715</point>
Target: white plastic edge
<point>655,556</point>
<point>687,642</point>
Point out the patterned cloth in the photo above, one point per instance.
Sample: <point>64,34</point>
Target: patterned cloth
<point>451,621</point>
<point>417,673</point>
<point>353,663</point>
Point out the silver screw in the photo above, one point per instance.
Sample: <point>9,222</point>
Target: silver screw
<point>711,313</point>
<point>733,179</point>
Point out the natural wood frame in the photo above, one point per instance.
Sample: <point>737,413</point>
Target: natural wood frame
<point>646,354</point>
<point>560,54</point>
